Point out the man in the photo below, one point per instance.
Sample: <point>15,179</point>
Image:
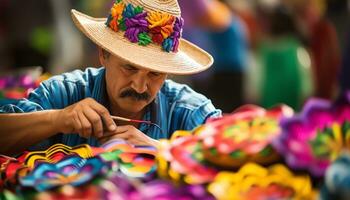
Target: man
<point>139,44</point>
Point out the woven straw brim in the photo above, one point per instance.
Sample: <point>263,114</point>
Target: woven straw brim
<point>189,59</point>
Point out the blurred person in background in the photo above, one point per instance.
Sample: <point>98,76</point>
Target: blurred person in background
<point>212,25</point>
<point>245,9</point>
<point>284,76</point>
<point>322,42</point>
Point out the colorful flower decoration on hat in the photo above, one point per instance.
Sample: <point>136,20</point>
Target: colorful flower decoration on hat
<point>114,20</point>
<point>160,25</point>
<point>144,27</point>
<point>72,170</point>
<point>253,182</point>
<point>176,35</point>
<point>245,135</point>
<point>316,137</point>
<point>135,22</point>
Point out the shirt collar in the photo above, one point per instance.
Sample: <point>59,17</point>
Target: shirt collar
<point>155,112</point>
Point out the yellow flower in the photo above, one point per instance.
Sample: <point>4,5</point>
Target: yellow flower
<point>117,10</point>
<point>117,14</point>
<point>162,20</point>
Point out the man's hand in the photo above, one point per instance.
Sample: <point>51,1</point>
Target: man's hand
<point>87,118</point>
<point>131,135</point>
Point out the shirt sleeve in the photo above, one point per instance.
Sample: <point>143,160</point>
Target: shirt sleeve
<point>57,93</point>
<point>38,100</point>
<point>200,115</point>
<point>188,119</point>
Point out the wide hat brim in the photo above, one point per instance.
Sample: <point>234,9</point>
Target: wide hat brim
<point>189,59</point>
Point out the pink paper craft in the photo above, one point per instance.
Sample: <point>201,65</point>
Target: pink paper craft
<point>316,137</point>
<point>245,135</point>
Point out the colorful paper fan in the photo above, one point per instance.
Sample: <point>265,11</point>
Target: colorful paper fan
<point>182,161</point>
<point>254,182</point>
<point>337,179</point>
<point>243,136</point>
<point>133,161</point>
<point>118,144</point>
<point>316,137</point>
<point>57,152</point>
<point>72,170</point>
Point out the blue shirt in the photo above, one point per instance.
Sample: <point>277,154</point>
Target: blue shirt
<point>176,106</point>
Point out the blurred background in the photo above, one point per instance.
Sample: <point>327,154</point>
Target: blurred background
<point>266,51</point>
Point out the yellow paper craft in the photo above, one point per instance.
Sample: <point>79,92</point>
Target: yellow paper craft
<point>57,152</point>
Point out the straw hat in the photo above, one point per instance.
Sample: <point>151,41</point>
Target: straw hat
<point>188,59</point>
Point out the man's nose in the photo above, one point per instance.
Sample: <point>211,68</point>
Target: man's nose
<point>139,84</point>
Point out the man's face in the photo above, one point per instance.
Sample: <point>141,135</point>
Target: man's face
<point>130,88</point>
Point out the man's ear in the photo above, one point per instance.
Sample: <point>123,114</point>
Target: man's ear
<point>101,56</point>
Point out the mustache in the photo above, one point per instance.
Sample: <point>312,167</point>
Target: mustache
<point>138,96</point>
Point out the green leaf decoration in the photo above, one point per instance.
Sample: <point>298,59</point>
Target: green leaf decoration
<point>121,24</point>
<point>138,10</point>
<point>144,39</point>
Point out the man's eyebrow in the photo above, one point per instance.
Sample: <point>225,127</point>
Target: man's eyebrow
<point>130,66</point>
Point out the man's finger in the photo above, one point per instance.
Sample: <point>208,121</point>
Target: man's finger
<point>106,117</point>
<point>86,126</point>
<point>77,124</point>
<point>118,130</point>
<point>124,128</point>
<point>124,136</point>
<point>95,120</point>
